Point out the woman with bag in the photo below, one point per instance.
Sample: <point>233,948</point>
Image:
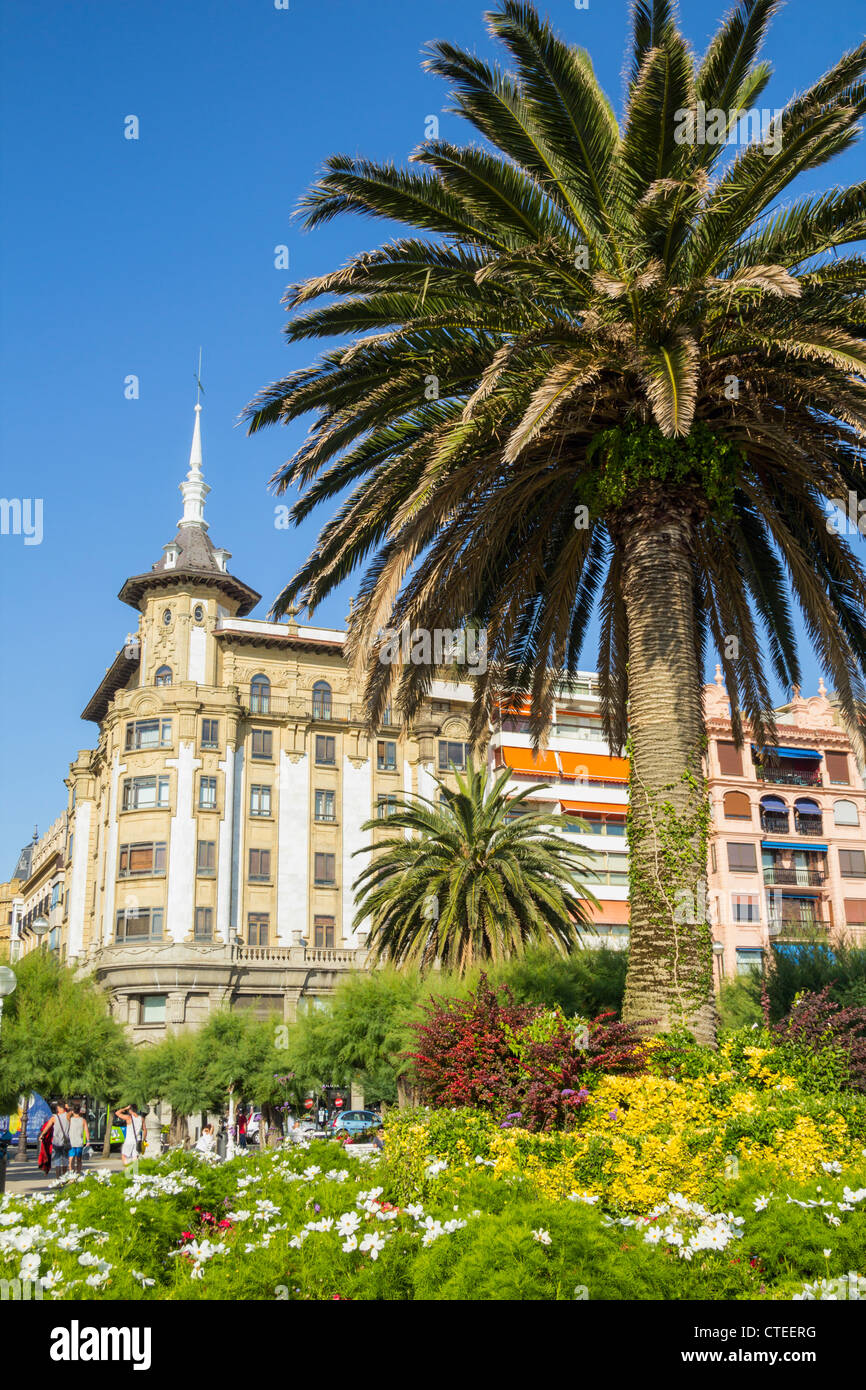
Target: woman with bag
<point>132,1139</point>
<point>60,1139</point>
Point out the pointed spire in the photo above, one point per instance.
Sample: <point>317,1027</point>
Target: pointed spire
<point>194,489</point>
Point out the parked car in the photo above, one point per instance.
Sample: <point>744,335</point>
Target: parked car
<point>350,1123</point>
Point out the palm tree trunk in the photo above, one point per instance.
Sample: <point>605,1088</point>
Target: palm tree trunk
<point>670,956</point>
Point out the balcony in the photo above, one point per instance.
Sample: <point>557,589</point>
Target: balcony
<point>790,777</point>
<point>773,823</point>
<point>318,711</point>
<point>802,877</point>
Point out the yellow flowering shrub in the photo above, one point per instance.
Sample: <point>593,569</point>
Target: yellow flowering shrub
<point>640,1137</point>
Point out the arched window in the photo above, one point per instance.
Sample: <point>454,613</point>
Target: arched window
<point>321,700</point>
<point>260,695</point>
<point>737,806</point>
<point>807,816</point>
<point>774,815</point>
<point>845,813</point>
<point>163,675</point>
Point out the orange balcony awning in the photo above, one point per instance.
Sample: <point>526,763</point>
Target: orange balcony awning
<point>596,766</point>
<point>586,808</point>
<point>522,760</point>
<point>614,914</point>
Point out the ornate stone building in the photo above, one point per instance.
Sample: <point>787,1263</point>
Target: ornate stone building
<point>210,839</point>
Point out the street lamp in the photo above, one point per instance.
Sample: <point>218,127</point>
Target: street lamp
<point>718,952</point>
<point>8,982</point>
<point>40,926</point>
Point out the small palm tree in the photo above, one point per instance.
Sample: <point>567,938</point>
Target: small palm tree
<point>607,369</point>
<point>475,878</point>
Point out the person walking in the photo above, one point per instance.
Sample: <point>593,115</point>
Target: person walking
<point>242,1129</point>
<point>78,1137</point>
<point>131,1147</point>
<point>60,1140</point>
<point>43,1160</point>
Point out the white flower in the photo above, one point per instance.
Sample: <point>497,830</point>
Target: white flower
<point>29,1266</point>
<point>94,1280</point>
<point>437,1166</point>
<point>761,1203</point>
<point>543,1237</point>
<point>834,1220</point>
<point>348,1223</point>
<point>350,1243</point>
<point>371,1244</point>
<point>827,1254</point>
<point>143,1279</point>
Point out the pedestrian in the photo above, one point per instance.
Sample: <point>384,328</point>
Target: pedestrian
<point>379,1138</point>
<point>131,1147</point>
<point>43,1160</point>
<point>60,1139</point>
<point>78,1137</point>
<point>242,1129</point>
<point>206,1143</point>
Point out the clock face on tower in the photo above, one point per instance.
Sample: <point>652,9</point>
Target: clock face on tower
<point>166,616</point>
<point>198,613</point>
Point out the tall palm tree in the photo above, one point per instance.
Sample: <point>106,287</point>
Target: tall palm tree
<point>476,877</point>
<point>606,367</point>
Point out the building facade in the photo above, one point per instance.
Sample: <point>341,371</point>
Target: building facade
<point>211,838</point>
<point>788,844</point>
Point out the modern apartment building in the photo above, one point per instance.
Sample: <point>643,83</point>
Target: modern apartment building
<point>788,846</point>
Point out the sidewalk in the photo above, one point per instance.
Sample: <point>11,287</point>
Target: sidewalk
<point>24,1178</point>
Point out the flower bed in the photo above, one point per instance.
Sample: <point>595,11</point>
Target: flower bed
<point>320,1223</point>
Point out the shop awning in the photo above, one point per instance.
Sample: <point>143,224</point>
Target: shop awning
<point>522,760</point>
<point>597,808</point>
<point>595,766</point>
<point>774,804</point>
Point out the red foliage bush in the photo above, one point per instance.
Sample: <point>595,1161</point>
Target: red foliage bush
<point>817,1021</point>
<point>480,1052</point>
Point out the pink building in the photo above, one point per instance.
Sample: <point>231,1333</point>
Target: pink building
<point>787,851</point>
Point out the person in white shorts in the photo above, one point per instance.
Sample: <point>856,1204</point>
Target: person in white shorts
<point>132,1139</point>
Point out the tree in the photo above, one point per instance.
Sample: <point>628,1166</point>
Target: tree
<point>58,1036</point>
<point>471,879</point>
<point>603,368</point>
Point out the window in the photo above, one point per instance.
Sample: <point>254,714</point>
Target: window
<point>260,801</point>
<point>387,718</point>
<point>207,793</point>
<point>452,755</point>
<point>742,859</point>
<point>745,907</point>
<point>386,755</point>
<point>148,733</point>
<point>845,813</point>
<point>321,700</point>
<point>852,863</point>
<point>837,767</point>
<point>325,869</point>
<point>748,959</point>
<point>210,733</point>
<point>260,865</point>
<point>325,805</point>
<point>55,896</point>
<point>324,931</point>
<point>258,928</point>
<point>326,750</point>
<point>163,675</point>
<point>263,744</point>
<point>144,793</point>
<point>260,695</point>
<point>139,924</point>
<point>386,804</point>
<point>205,861</point>
<point>737,806</point>
<point>153,1008</point>
<point>855,912</point>
<point>142,859</point>
<point>204,924</point>
<point>730,759</point>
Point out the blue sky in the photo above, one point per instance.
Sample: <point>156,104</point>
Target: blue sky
<point>120,257</point>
